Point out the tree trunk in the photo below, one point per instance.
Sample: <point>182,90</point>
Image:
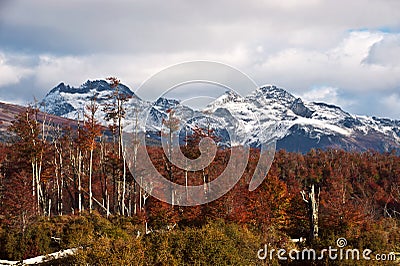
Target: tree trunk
<point>123,186</point>
<point>312,199</point>
<point>314,202</point>
<point>90,181</point>
<point>79,182</point>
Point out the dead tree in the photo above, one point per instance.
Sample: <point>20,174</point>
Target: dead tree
<point>171,124</point>
<point>91,131</point>
<point>311,198</point>
<point>115,112</point>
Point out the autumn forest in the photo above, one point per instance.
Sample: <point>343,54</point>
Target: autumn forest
<point>65,187</point>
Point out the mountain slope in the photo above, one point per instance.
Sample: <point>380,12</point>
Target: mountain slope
<point>267,113</point>
<point>8,112</point>
<point>69,102</point>
<point>300,126</point>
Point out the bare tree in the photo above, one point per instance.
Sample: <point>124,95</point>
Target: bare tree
<point>32,141</point>
<point>171,126</point>
<point>59,168</point>
<point>115,111</point>
<point>90,132</point>
<point>311,198</point>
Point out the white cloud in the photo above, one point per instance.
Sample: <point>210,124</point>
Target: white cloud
<point>391,105</point>
<point>322,94</point>
<point>328,95</point>
<point>11,74</point>
<point>342,67</point>
<point>386,52</point>
<point>299,45</point>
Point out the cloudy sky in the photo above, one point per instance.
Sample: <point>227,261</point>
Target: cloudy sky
<point>341,52</point>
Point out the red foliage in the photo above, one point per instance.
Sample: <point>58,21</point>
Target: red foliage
<point>356,188</point>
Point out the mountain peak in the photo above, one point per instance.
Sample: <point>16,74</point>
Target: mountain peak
<point>102,85</point>
<point>90,87</point>
<point>271,91</point>
<point>297,125</point>
<point>65,100</point>
<point>166,103</point>
<point>59,88</point>
<point>232,94</point>
<point>228,96</point>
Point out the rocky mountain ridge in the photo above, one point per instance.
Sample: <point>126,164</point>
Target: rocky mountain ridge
<point>267,113</point>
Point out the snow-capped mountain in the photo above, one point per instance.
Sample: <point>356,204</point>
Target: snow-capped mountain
<point>267,113</point>
<point>70,102</point>
<point>300,126</point>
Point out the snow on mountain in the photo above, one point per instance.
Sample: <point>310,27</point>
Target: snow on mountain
<point>275,111</point>
<point>159,111</point>
<point>70,102</point>
<point>267,113</point>
<point>300,126</point>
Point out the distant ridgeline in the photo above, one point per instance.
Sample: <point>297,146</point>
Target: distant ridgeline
<point>296,125</point>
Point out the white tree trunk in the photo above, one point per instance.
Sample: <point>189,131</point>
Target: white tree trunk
<point>79,182</point>
<point>90,181</point>
<point>312,199</point>
<point>123,185</point>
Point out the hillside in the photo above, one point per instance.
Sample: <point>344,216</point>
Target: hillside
<point>8,112</point>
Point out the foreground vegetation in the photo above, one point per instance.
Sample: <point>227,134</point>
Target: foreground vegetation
<point>359,200</point>
<point>115,241</point>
